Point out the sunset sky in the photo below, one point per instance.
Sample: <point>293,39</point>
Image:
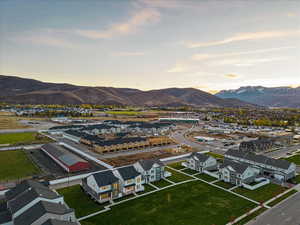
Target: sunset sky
<point>152,44</point>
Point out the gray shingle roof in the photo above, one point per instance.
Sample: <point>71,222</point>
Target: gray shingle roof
<point>5,215</point>
<point>148,163</point>
<point>23,186</point>
<point>40,209</point>
<point>28,196</point>
<point>279,163</point>
<point>200,156</point>
<point>58,222</point>
<point>105,178</point>
<point>128,172</point>
<point>238,167</point>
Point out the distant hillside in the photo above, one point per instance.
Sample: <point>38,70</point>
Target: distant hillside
<point>29,91</point>
<point>271,97</point>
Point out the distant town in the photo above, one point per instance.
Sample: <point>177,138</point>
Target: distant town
<point>90,164</point>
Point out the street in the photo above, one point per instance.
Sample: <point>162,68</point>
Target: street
<point>286,213</point>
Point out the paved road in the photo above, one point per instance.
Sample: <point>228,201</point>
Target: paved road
<point>282,152</point>
<point>286,213</point>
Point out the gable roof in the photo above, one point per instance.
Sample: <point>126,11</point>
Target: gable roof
<point>28,196</point>
<point>58,222</point>
<point>105,178</point>
<point>128,172</point>
<point>38,210</point>
<point>23,186</point>
<point>147,164</point>
<point>237,167</point>
<point>200,156</point>
<point>279,163</point>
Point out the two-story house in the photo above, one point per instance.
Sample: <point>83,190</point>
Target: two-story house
<point>103,186</point>
<point>151,169</point>
<point>200,162</point>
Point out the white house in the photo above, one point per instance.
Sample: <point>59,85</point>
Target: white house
<point>151,169</point>
<point>200,162</point>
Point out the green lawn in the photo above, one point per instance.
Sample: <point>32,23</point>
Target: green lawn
<point>263,193</point>
<point>224,184</point>
<point>16,165</point>
<point>161,183</point>
<point>177,177</point>
<point>251,216</point>
<point>148,188</point>
<point>190,171</point>
<point>193,203</point>
<point>206,177</point>
<point>124,198</point>
<point>296,179</point>
<point>76,198</point>
<point>177,165</point>
<point>22,138</point>
<point>280,199</point>
<point>295,159</point>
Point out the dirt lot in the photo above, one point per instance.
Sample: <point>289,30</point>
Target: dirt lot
<point>9,121</point>
<point>130,159</point>
<point>205,134</point>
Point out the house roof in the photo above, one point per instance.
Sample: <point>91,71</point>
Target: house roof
<point>40,209</point>
<point>58,222</point>
<point>237,167</point>
<point>62,154</point>
<point>128,172</point>
<point>105,178</point>
<point>23,186</point>
<point>279,163</point>
<point>200,156</point>
<point>148,163</point>
<point>28,196</point>
<point>5,215</point>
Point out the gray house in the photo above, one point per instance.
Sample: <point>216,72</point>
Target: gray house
<point>279,169</point>
<point>200,162</point>
<point>32,203</point>
<point>236,173</point>
<point>151,169</point>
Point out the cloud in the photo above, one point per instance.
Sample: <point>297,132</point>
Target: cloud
<point>291,14</point>
<point>180,68</point>
<point>200,57</point>
<point>245,62</point>
<point>128,53</point>
<point>245,37</point>
<point>137,20</point>
<point>231,76</point>
<point>45,37</point>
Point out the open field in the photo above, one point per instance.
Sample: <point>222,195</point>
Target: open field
<point>295,159</point>
<point>76,198</point>
<point>16,165</point>
<point>22,138</point>
<point>190,171</point>
<point>8,121</point>
<point>280,199</point>
<point>176,176</point>
<point>263,193</point>
<point>202,204</point>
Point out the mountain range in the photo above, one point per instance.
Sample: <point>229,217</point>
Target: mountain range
<point>270,97</point>
<point>28,91</point>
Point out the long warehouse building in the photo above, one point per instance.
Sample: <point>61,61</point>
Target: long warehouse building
<point>65,159</point>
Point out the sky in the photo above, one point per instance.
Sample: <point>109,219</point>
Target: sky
<point>152,44</point>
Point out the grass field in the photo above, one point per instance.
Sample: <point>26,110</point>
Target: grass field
<point>190,171</point>
<point>263,193</point>
<point>78,200</point>
<point>22,138</point>
<point>148,188</point>
<point>295,159</point>
<point>206,177</point>
<point>280,199</point>
<point>224,184</point>
<point>161,183</point>
<point>16,165</point>
<point>251,216</point>
<point>176,176</point>
<point>192,203</point>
